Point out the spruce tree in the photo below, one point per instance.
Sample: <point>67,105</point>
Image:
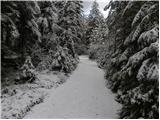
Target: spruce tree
<point>60,24</point>
<point>94,19</point>
<point>132,69</point>
<point>19,21</point>
<point>28,28</point>
<point>70,20</point>
<point>9,32</point>
<point>47,23</point>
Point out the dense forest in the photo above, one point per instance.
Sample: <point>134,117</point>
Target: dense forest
<point>50,35</point>
<point>43,33</point>
<point>129,54</point>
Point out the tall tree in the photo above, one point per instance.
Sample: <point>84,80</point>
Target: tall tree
<point>28,28</point>
<point>132,68</point>
<point>20,33</point>
<point>94,19</point>
<point>19,24</point>
<point>9,32</point>
<point>60,24</point>
<point>47,23</point>
<point>70,19</point>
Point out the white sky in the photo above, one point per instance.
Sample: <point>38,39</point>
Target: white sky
<point>102,3</point>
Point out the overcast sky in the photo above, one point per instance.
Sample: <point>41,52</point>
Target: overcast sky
<point>102,3</point>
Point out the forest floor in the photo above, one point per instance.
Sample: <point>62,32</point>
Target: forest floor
<point>18,99</point>
<point>84,95</point>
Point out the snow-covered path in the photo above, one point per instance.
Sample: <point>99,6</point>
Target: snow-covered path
<point>84,95</point>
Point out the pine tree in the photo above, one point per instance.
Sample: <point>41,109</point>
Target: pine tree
<point>9,32</point>
<point>20,32</point>
<point>28,28</point>
<point>98,39</point>
<point>70,19</point>
<point>47,22</point>
<point>133,63</point>
<point>94,19</point>
<point>20,29</point>
<point>60,24</point>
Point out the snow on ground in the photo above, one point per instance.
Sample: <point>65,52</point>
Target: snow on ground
<point>84,95</point>
<point>17,100</point>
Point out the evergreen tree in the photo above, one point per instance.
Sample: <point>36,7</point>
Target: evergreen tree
<point>46,31</point>
<point>20,32</point>
<point>9,30</point>
<point>98,40</point>
<point>47,23</point>
<point>19,27</point>
<point>132,68</point>
<point>70,20</point>
<point>60,24</point>
<point>94,19</point>
<point>28,28</point>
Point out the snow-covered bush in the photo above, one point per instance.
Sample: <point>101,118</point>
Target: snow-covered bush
<point>27,72</point>
<point>63,61</point>
<point>93,52</point>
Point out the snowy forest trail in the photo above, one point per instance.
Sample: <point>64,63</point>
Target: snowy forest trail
<point>84,95</point>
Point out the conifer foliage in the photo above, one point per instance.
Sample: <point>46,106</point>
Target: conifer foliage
<point>47,35</point>
<point>96,31</point>
<point>132,65</point>
<point>95,19</point>
<point>44,31</point>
